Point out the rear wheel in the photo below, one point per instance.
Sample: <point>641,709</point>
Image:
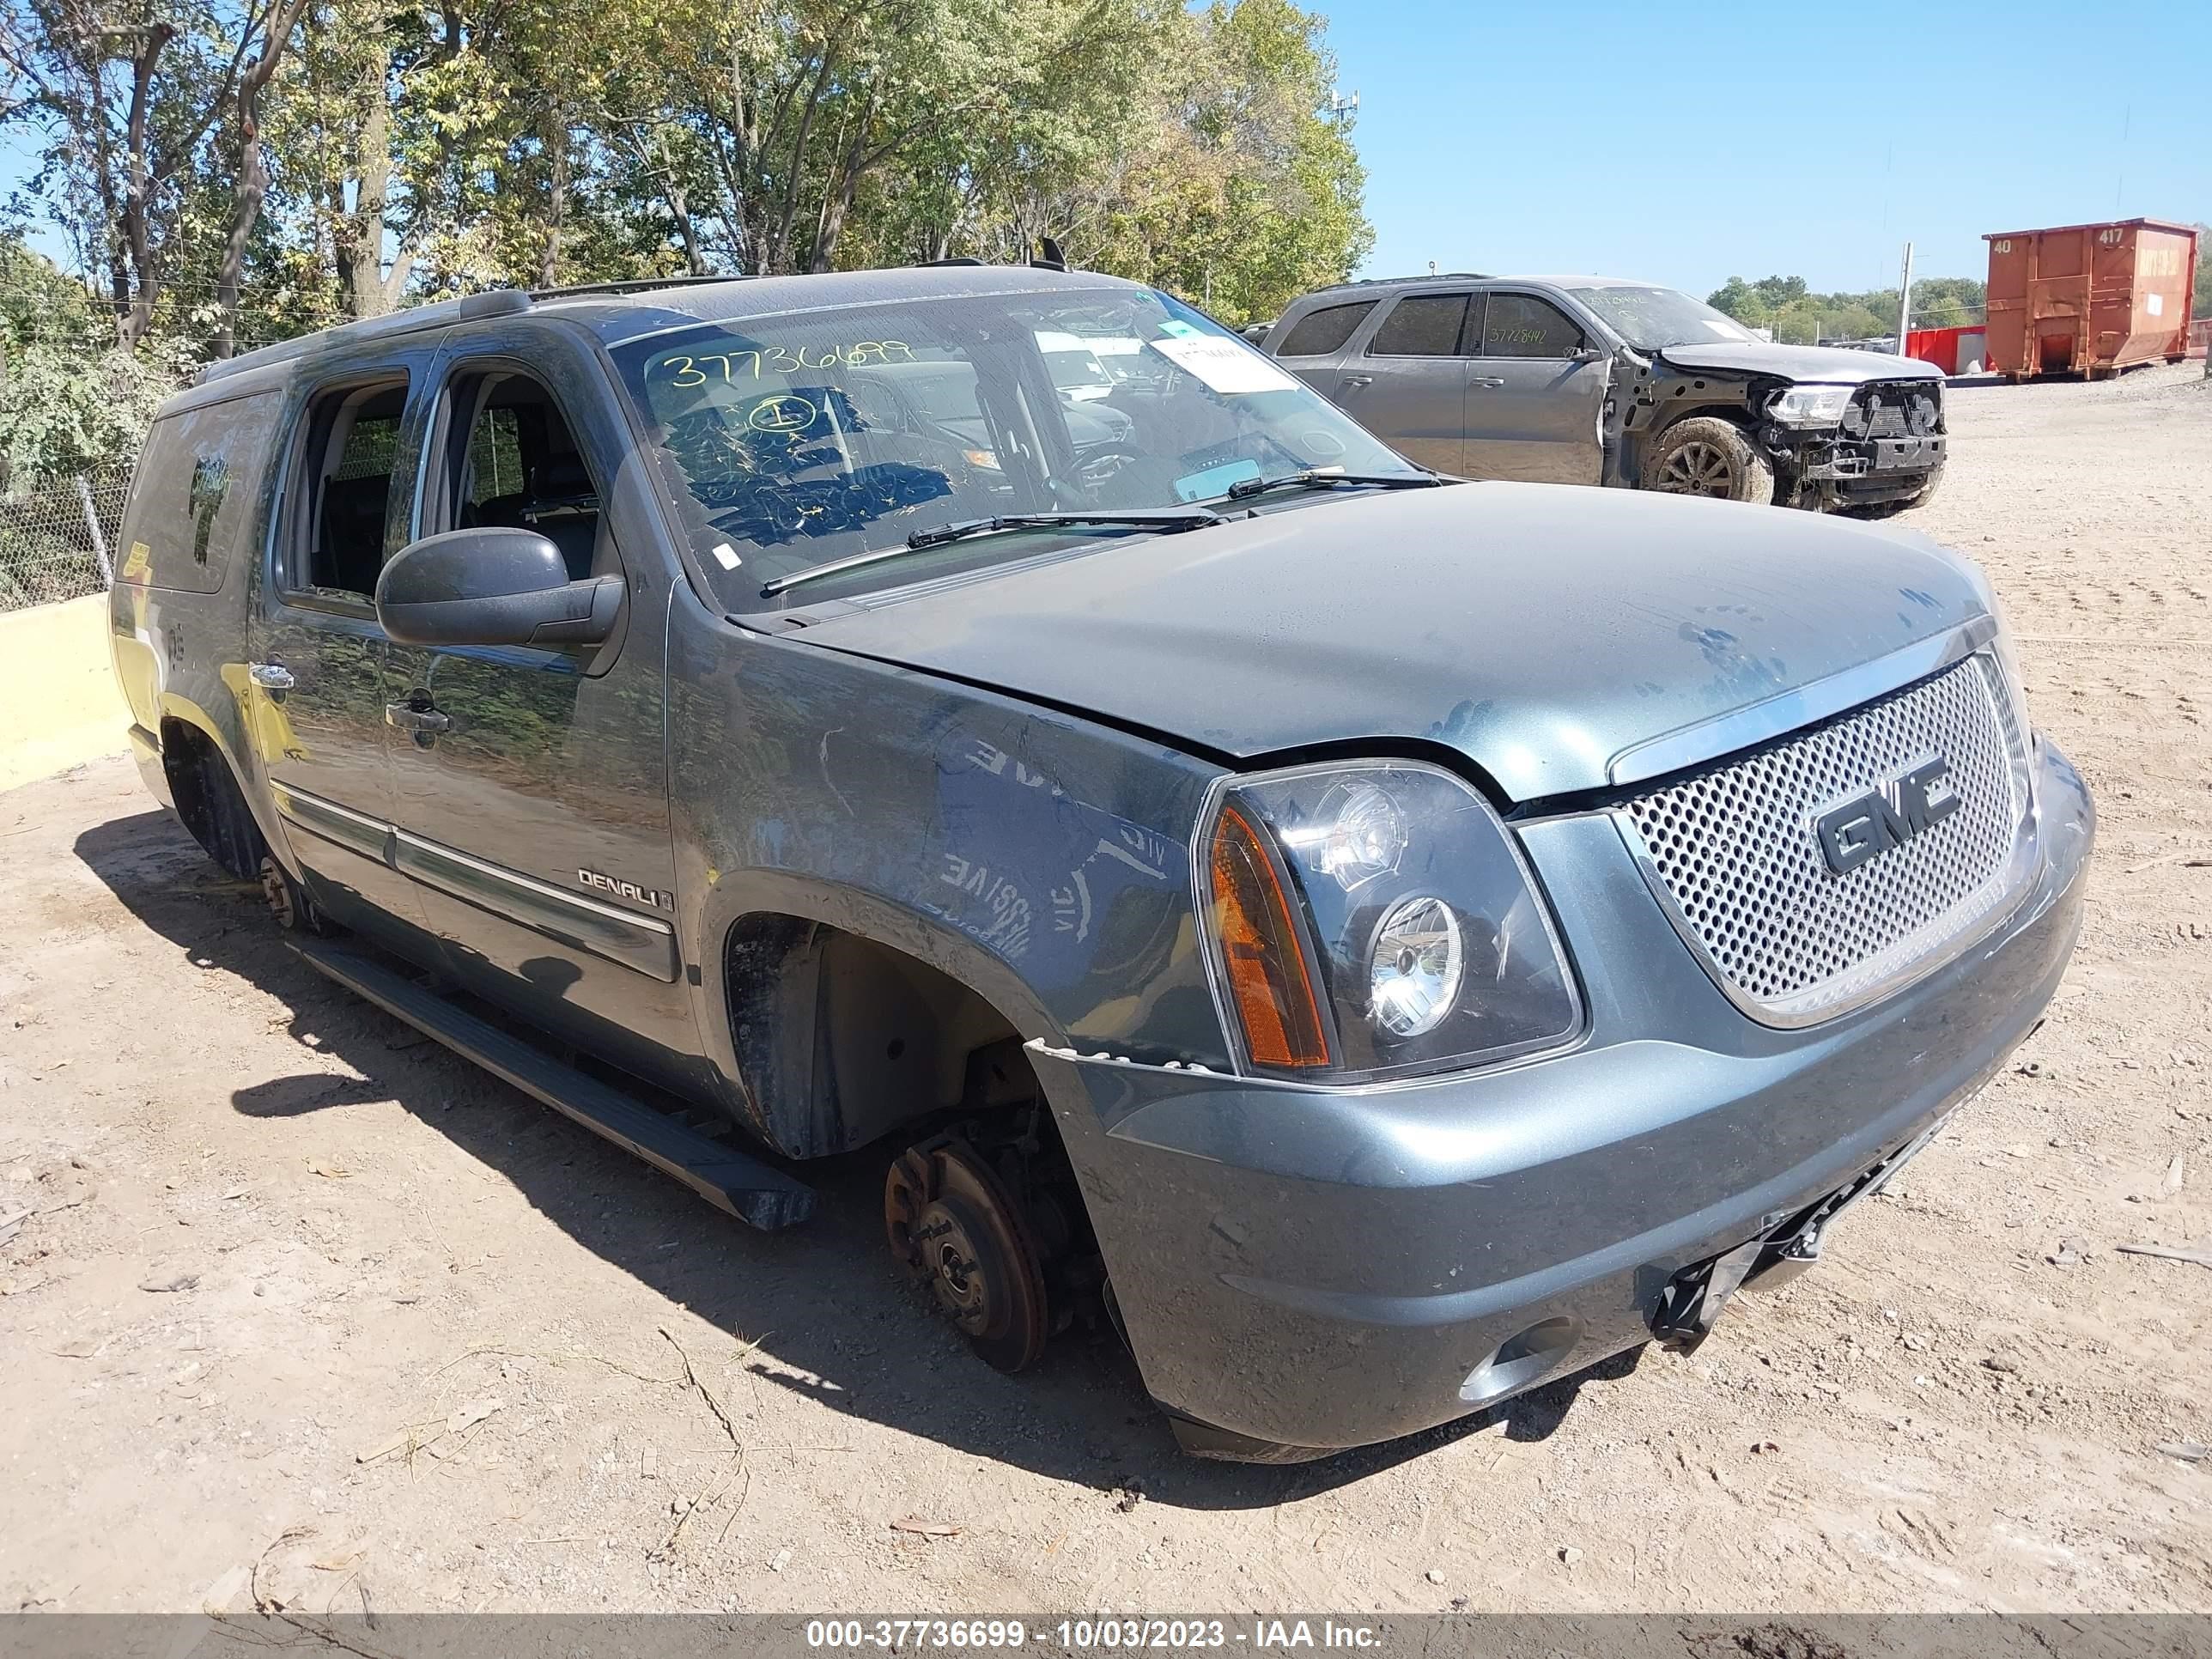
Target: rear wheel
<point>294,911</point>
<point>1707,456</point>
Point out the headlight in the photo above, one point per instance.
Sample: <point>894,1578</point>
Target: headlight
<point>1374,919</point>
<point>1412,973</point>
<point>1810,405</point>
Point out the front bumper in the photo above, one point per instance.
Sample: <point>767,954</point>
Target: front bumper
<point>1860,469</point>
<point>1319,1268</point>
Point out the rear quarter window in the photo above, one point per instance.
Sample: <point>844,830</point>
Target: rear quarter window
<point>1320,332</point>
<point>1421,325</point>
<point>195,494</point>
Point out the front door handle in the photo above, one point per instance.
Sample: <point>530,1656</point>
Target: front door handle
<point>1356,380</point>
<point>408,718</point>
<point>272,676</point>
<point>1486,380</point>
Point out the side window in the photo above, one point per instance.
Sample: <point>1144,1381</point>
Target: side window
<point>1521,326</point>
<point>1320,332</point>
<point>343,496</point>
<point>1421,325</point>
<point>511,459</point>
<point>194,497</point>
<point>495,465</point>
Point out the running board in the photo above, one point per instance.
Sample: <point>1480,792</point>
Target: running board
<point>728,1179</point>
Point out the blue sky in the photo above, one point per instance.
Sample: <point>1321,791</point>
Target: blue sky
<point>1688,143</point>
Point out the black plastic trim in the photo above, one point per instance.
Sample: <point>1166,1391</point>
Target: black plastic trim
<point>732,1181</point>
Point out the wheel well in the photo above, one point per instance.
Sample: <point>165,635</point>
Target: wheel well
<point>1735,414</point>
<point>208,800</point>
<point>840,1039</point>
<point>1669,416</point>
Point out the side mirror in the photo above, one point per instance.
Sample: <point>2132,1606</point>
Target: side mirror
<point>1587,354</point>
<point>492,586</point>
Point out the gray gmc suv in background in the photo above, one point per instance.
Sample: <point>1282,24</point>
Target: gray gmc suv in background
<point>1379,942</point>
<point>1591,381</point>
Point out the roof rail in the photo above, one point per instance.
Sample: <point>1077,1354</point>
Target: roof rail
<point>492,302</point>
<point>1423,277</point>
<point>495,302</point>
<point>629,285</point>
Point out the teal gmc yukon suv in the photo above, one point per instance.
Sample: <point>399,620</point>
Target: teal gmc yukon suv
<point>1381,942</point>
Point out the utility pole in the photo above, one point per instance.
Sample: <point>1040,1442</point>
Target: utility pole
<point>1904,300</point>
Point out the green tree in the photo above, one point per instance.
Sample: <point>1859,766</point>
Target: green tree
<point>1799,316</point>
<point>144,116</point>
<point>307,161</point>
<point>72,400</point>
<point>1236,188</point>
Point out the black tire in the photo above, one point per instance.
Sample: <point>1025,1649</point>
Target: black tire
<point>1705,455</point>
<point>208,802</point>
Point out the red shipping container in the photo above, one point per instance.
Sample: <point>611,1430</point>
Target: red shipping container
<point>2089,299</point>
<point>1958,350</point>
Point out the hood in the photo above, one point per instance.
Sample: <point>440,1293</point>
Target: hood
<point>1808,365</point>
<point>1539,629</point>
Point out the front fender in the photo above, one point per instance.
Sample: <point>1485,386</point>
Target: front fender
<point>1040,860</point>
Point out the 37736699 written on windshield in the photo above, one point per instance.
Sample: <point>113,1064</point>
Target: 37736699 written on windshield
<point>807,438</point>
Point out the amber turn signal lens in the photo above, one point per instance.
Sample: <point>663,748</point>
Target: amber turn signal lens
<point>1267,967</point>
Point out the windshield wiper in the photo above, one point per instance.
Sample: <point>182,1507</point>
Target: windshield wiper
<point>1244,488</point>
<point>1162,519</point>
<point>1148,518</point>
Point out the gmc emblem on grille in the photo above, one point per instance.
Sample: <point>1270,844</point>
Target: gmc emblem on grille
<point>1888,815</point>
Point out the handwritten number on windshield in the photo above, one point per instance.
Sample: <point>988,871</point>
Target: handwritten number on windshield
<point>687,372</point>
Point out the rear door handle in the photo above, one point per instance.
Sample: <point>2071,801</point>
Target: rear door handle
<point>1486,380</point>
<point>1356,380</point>
<point>272,676</point>
<point>408,718</point>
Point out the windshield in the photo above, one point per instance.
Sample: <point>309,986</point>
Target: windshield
<point>794,440</point>
<point>1650,318</point>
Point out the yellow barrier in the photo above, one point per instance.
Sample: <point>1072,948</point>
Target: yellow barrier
<point>58,691</point>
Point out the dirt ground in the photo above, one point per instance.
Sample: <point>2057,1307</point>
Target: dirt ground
<point>297,1305</point>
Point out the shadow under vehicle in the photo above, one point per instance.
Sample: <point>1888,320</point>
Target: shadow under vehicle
<point>1382,944</point>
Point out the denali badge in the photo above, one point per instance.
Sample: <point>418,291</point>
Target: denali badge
<point>1888,815</point>
<point>628,889</point>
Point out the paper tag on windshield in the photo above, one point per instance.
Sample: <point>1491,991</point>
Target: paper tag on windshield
<point>1228,367</point>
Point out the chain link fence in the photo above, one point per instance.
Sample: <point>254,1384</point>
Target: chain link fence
<point>57,538</point>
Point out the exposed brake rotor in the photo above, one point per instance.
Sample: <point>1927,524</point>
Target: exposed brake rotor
<point>278,891</point>
<point>954,1226</point>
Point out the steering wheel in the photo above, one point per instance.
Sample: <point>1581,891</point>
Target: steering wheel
<point>1103,466</point>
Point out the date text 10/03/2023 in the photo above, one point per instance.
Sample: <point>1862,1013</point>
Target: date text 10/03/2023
<point>1086,1635</point>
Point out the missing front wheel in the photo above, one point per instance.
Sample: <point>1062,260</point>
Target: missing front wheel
<point>991,1226</point>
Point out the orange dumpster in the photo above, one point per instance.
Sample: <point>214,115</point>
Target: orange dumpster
<point>2089,299</point>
